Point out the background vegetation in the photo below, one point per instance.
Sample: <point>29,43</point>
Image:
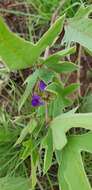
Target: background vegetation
<point>31,19</point>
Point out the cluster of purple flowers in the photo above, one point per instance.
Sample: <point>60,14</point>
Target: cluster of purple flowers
<point>36,99</point>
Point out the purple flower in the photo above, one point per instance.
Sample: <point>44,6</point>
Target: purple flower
<point>37,101</point>
<point>42,85</point>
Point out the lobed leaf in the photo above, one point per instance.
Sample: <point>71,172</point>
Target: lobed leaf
<point>71,163</point>
<point>18,53</point>
<point>83,12</point>
<point>79,28</point>
<point>61,124</point>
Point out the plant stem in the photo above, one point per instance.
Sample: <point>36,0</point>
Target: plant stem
<point>49,181</point>
<point>39,184</point>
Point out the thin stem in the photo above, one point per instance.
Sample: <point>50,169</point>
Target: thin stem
<point>39,184</point>
<point>49,180</point>
<point>54,16</point>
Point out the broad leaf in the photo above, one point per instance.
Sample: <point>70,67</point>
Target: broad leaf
<point>61,124</point>
<point>70,89</point>
<point>79,29</point>
<point>46,75</point>
<point>55,88</point>
<point>15,51</point>
<point>18,53</point>
<point>83,12</point>
<point>61,101</point>
<point>71,163</point>
<point>86,106</point>
<point>62,67</point>
<point>56,107</point>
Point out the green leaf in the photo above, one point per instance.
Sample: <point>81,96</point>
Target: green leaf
<point>55,88</point>
<point>67,102</point>
<point>72,111</point>
<point>62,67</point>
<point>80,31</point>
<point>46,75</point>
<point>58,155</point>
<point>57,56</point>
<point>18,53</point>
<point>27,149</point>
<point>34,164</point>
<point>14,183</point>
<point>83,12</point>
<point>56,107</point>
<point>14,51</point>
<point>52,34</point>
<point>31,151</point>
<point>70,89</point>
<point>48,145</point>
<point>61,124</point>
<point>71,163</point>
<point>27,130</point>
<point>31,80</point>
<point>86,106</point>
<point>88,51</point>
